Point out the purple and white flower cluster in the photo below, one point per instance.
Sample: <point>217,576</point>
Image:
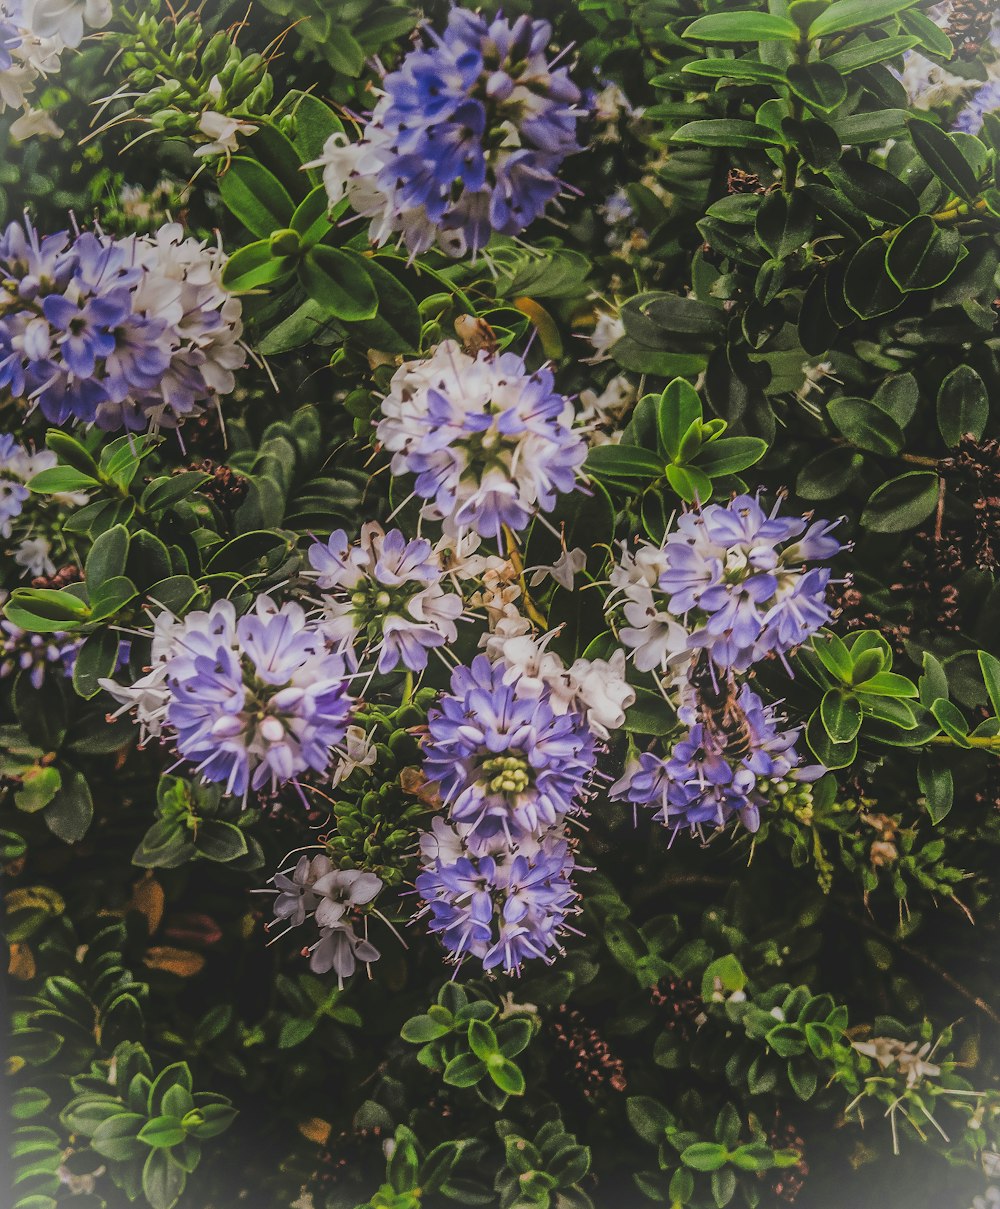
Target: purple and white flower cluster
<point>35,654</point>
<point>33,36</point>
<point>251,702</point>
<point>490,443</point>
<point>32,545</point>
<point>728,587</point>
<point>468,138</point>
<point>497,876</point>
<point>123,333</point>
<point>711,776</point>
<point>730,579</point>
<point>332,899</point>
<point>386,592</point>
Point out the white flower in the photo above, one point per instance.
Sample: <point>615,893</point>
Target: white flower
<point>563,570</point>
<point>608,330</point>
<point>929,86</point>
<point>359,753</point>
<point>34,555</point>
<point>65,19</point>
<point>222,132</point>
<point>657,640</point>
<point>34,123</point>
<point>600,688</point>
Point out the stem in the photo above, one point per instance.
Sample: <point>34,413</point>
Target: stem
<point>514,554</point>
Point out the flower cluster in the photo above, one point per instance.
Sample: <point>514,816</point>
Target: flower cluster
<point>728,587</point>
<point>467,139</point>
<point>496,877</point>
<point>718,772</point>
<point>33,36</point>
<point>131,333</point>
<point>736,577</point>
<point>19,464</point>
<point>314,889</point>
<point>387,592</point>
<point>489,442</point>
<point>35,654</point>
<point>252,702</point>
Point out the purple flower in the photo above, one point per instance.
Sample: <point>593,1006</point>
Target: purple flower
<point>506,767</point>
<point>34,654</point>
<point>986,100</point>
<point>468,138</point>
<point>133,333</point>
<point>257,701</point>
<point>386,592</point>
<point>332,898</point>
<point>490,444</point>
<point>84,331</point>
<point>735,574</point>
<point>713,776</point>
<point>504,909</point>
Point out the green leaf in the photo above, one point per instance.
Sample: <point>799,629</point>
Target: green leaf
<point>650,714</point>
<point>821,86</point>
<point>60,479</point>
<point>736,69</point>
<point>69,450</point>
<point>116,1137</point>
<point>742,25</point>
<point>991,676</point>
<point>420,1029</point>
<point>834,656</point>
<point>648,1118</point>
<point>844,15</point>
<point>724,975</point>
<point>678,408</point>
<point>705,1156</point>
<point>827,752</point>
<point>163,1180</point>
<point>162,1131</point>
<point>38,787</point>
<point>863,53</point>
<point>942,155</point>
<point>340,282</point>
<point>690,483</point>
<point>107,557</point>
<point>219,841</point>
<point>69,814</point>
<point>963,405</point>
<point>922,255</point>
<point>784,224</point>
<point>311,218</point>
<point>168,490</point>
<point>482,1040</point>
<point>726,132</point>
<point>828,474</point>
<point>952,721</point>
<point>866,426</point>
<point>730,455</point>
<point>884,684</point>
<point>623,462</point>
<point>253,267</point>
<point>464,1070</point>
<point>901,503</point>
<point>930,36</point>
<point>256,197</point>
<point>841,715</point>
<point>215,1119</point>
<point>507,1076</point>
<point>937,785</point>
<point>872,126</point>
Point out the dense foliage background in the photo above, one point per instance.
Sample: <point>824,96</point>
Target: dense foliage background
<point>784,216</point>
